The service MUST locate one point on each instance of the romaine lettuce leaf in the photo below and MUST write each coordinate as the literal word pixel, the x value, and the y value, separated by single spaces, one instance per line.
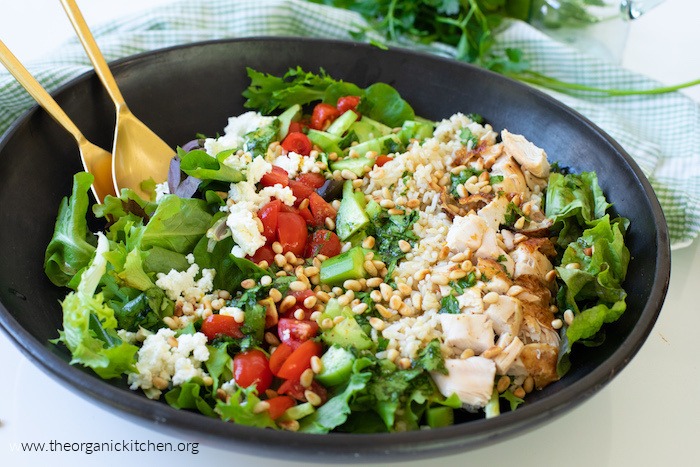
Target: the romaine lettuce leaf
pixel 177 225
pixel 197 163
pixel 187 396
pixel 241 408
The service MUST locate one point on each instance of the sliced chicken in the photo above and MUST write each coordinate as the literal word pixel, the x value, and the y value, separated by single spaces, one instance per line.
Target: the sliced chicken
pixel 506 314
pixel 467 331
pixel 540 362
pixel 534 331
pixel 471 379
pixel 529 156
pixel 494 213
pixel 506 358
pixel 514 180
pixel 490 249
pixel 470 301
pixel 466 232
pixel 529 260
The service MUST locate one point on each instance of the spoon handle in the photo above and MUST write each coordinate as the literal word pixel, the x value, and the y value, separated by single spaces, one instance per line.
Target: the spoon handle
pixel 93 52
pixel 37 91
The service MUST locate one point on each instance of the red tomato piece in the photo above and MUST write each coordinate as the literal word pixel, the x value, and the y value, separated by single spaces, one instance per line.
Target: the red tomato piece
pixel 346 103
pixel 381 160
pixel 323 115
pixel 278 357
pixel 279 405
pixel 269 214
pixel 301 191
pixel 291 232
pixel 322 242
pixel 297 142
pixel 294 389
pixel 300 360
pixel 252 367
pixel 296 127
pixel 312 180
pixel 221 325
pixel 264 253
pixel 278 176
pixel 296 331
pixel 320 209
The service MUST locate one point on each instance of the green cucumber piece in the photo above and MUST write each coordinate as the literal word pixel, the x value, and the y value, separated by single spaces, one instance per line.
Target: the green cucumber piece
pixel 336 366
pixel 437 417
pixel 347 333
pixel 297 412
pixel 383 145
pixel 355 165
pixel 326 141
pixel 379 128
pixel 290 115
pixel 364 131
pixel 341 124
pixel 351 215
pixel 348 265
pixel 412 129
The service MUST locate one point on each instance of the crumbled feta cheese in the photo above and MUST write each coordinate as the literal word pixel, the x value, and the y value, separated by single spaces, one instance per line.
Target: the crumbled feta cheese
pixel 158 360
pixel 162 189
pixel 257 168
pixel 244 229
pixel 230 311
pixel 183 283
pixel 283 194
pixel 235 130
pixel 290 162
pixel 239 161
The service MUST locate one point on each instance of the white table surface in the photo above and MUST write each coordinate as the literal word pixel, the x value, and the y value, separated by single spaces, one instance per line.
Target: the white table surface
pixel 648 416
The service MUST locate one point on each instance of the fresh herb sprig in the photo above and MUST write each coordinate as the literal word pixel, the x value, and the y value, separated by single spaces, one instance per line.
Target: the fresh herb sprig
pixel 470 25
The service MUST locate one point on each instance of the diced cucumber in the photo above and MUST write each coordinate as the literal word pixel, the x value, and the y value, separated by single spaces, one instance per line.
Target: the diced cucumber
pixel 378 126
pixel 373 209
pixel 347 333
pixel 342 123
pixel 326 141
pixel 348 265
pixel 437 417
pixel 355 165
pixel 332 309
pixel 364 131
pixel 290 115
pixel 336 366
pixel 297 412
pixel 383 145
pixel 412 129
pixel 351 215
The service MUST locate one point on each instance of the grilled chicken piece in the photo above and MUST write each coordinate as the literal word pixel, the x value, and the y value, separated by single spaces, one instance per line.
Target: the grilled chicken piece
pixel 506 314
pixel 467 331
pixel 529 260
pixel 514 180
pixel 466 232
pixel 529 156
pixel 511 351
pixel 470 301
pixel 490 249
pixel 533 330
pixel 471 379
pixel 540 362
pixel 494 213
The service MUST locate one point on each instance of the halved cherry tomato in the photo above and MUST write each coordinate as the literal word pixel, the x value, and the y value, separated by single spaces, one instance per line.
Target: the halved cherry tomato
pixel 300 297
pixel 269 214
pixel 346 103
pixel 323 115
pixel 320 209
pixel 277 176
pixel 300 360
pixel 278 357
pixel 291 232
pixel 279 405
pixel 252 367
pixel 381 160
pixel 294 389
pixel 296 127
pixel 296 331
pixel 322 242
pixel 221 325
pixel 311 179
pixel 264 253
pixel 300 190
pixel 297 142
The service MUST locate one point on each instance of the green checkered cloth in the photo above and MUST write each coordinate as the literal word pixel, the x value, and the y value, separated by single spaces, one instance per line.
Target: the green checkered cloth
pixel 661 132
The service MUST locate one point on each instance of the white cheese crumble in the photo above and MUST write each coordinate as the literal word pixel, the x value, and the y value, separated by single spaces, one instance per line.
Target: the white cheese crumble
pixel 244 229
pixel 162 189
pixel 235 130
pixel 183 283
pixel 158 360
pixel 291 162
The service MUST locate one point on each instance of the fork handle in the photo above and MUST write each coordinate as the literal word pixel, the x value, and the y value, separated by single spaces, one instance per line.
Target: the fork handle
pixel 37 91
pixel 90 45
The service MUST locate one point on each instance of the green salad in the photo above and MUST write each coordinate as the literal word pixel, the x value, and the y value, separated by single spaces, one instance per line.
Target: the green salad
pixel 333 262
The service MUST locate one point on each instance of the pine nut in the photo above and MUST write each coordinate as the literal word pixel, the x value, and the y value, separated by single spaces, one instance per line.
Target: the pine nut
pixel 404 246
pixel 503 383
pixel 368 242
pixel 159 383
pixel 313 398
pixel 568 317
pixel 310 302
pixel 370 268
pixel 468 353
pixel 261 407
pixel 275 295
pixel 248 284
pixel 288 302
pixel 490 298
pixel 316 364
pixel 492 352
pixel 307 377
pixel 297 286
pixel 377 323
pixel 528 384
pixel 515 290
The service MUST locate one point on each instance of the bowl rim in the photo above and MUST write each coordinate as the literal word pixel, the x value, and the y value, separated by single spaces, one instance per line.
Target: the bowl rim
pixel 353 447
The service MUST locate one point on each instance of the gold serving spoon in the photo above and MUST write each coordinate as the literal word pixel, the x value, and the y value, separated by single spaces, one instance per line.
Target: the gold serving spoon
pixel 95 160
pixel 138 153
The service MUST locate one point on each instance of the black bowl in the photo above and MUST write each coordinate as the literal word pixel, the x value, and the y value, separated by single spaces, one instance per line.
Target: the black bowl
pixel 194 88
